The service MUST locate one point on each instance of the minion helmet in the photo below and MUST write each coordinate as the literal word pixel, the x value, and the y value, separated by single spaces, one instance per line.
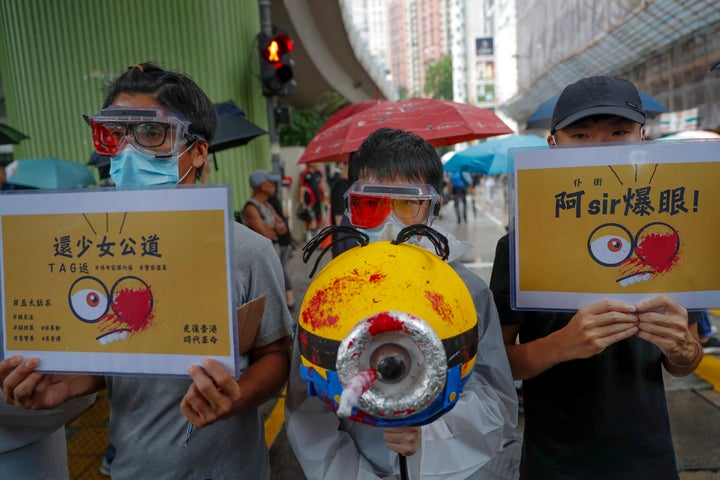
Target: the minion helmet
pixel 388 334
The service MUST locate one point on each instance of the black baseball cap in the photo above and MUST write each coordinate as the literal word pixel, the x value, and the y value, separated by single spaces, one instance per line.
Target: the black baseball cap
pixel 597 96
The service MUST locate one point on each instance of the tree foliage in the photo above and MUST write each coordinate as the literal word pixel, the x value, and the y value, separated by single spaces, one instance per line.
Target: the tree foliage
pixel 403 93
pixel 438 79
pixel 305 123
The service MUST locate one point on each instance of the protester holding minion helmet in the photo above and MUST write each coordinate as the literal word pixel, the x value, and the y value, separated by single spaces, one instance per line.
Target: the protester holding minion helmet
pixel 396 177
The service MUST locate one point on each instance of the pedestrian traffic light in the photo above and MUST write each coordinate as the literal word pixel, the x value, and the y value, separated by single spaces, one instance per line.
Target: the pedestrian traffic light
pixel 276 66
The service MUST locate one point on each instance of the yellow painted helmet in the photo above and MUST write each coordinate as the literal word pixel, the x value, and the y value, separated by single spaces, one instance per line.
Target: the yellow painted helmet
pixel 388 335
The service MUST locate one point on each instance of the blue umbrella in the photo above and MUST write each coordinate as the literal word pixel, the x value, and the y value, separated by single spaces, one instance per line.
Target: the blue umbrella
pixel 543 115
pixel 491 156
pixel 51 173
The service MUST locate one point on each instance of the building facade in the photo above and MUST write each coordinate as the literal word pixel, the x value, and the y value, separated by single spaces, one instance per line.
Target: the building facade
pixel 664 46
pixel 57 61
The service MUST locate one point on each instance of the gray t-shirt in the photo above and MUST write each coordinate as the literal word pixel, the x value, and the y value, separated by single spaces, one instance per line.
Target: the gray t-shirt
pixel 146 424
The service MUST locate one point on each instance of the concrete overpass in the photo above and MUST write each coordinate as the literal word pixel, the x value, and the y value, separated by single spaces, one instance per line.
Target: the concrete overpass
pixel 328 56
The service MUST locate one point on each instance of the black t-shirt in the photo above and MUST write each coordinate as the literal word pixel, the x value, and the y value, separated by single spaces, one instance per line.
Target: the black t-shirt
pixel 603 417
pixel 338 187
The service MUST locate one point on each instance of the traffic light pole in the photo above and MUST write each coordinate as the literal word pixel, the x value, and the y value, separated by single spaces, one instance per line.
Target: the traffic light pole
pixel 271 101
pixel 274 137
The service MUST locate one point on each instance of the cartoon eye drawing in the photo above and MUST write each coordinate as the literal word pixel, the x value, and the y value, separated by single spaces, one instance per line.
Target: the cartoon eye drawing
pixel 88 299
pixel 610 244
pixel 655 248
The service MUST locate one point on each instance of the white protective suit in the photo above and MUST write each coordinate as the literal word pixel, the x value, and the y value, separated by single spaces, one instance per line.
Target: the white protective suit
pixel 32 442
pixel 454 447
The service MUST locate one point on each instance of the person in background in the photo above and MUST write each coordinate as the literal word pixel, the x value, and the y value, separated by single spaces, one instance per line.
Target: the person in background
pixel 593 393
pixel 460 182
pixel 33 444
pixel 262 216
pixel 338 186
pixel 312 194
pixel 165 142
pixel 3 175
pixel 709 343
pixel 458 444
pixel 489 187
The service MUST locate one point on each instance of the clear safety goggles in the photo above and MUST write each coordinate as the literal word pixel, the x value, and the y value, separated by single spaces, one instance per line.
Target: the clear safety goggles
pixel 150 130
pixel 369 204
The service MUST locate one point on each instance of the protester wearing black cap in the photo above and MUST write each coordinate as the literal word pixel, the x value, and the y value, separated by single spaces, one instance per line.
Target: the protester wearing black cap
pixel 593 392
pixel 598 110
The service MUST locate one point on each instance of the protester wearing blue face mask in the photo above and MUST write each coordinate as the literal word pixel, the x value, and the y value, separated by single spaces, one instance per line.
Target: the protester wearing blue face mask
pixel 150 137
pixel 396 178
pixel 155 125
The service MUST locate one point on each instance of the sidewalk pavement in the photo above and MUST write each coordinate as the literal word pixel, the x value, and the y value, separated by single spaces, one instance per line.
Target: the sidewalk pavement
pixel 693 404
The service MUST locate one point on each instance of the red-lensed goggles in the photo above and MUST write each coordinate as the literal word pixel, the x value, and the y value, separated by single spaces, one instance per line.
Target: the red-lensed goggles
pixel 150 130
pixel 369 204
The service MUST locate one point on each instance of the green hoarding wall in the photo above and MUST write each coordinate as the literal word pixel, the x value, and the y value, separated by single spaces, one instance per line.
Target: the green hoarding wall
pixel 57 57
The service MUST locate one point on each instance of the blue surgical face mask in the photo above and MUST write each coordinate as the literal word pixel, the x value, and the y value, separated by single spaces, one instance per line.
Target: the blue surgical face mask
pixel 385 232
pixel 132 168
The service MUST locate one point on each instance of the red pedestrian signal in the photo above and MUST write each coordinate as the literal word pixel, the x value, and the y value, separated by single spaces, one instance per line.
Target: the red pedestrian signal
pixel 272 51
pixel 276 65
pixel 276 47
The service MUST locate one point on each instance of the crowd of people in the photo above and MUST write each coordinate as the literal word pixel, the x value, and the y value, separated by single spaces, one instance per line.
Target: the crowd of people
pixel 594 400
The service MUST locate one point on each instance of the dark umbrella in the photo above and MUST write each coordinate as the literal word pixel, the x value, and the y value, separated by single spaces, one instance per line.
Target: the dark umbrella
pixel 232 129
pixel 542 117
pixel 102 163
pixel 10 135
pixel 99 160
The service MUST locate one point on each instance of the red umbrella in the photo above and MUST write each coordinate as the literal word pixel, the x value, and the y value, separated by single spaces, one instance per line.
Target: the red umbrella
pixel 440 122
pixel 348 111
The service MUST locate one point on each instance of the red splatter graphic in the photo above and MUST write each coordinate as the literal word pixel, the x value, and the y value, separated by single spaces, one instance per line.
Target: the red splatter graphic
pixel 659 251
pixel 438 303
pixel 407 412
pixel 134 308
pixel 382 322
pixel 318 312
pixel 314 314
pixel 362 381
pixel 377 278
pixel 363 417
